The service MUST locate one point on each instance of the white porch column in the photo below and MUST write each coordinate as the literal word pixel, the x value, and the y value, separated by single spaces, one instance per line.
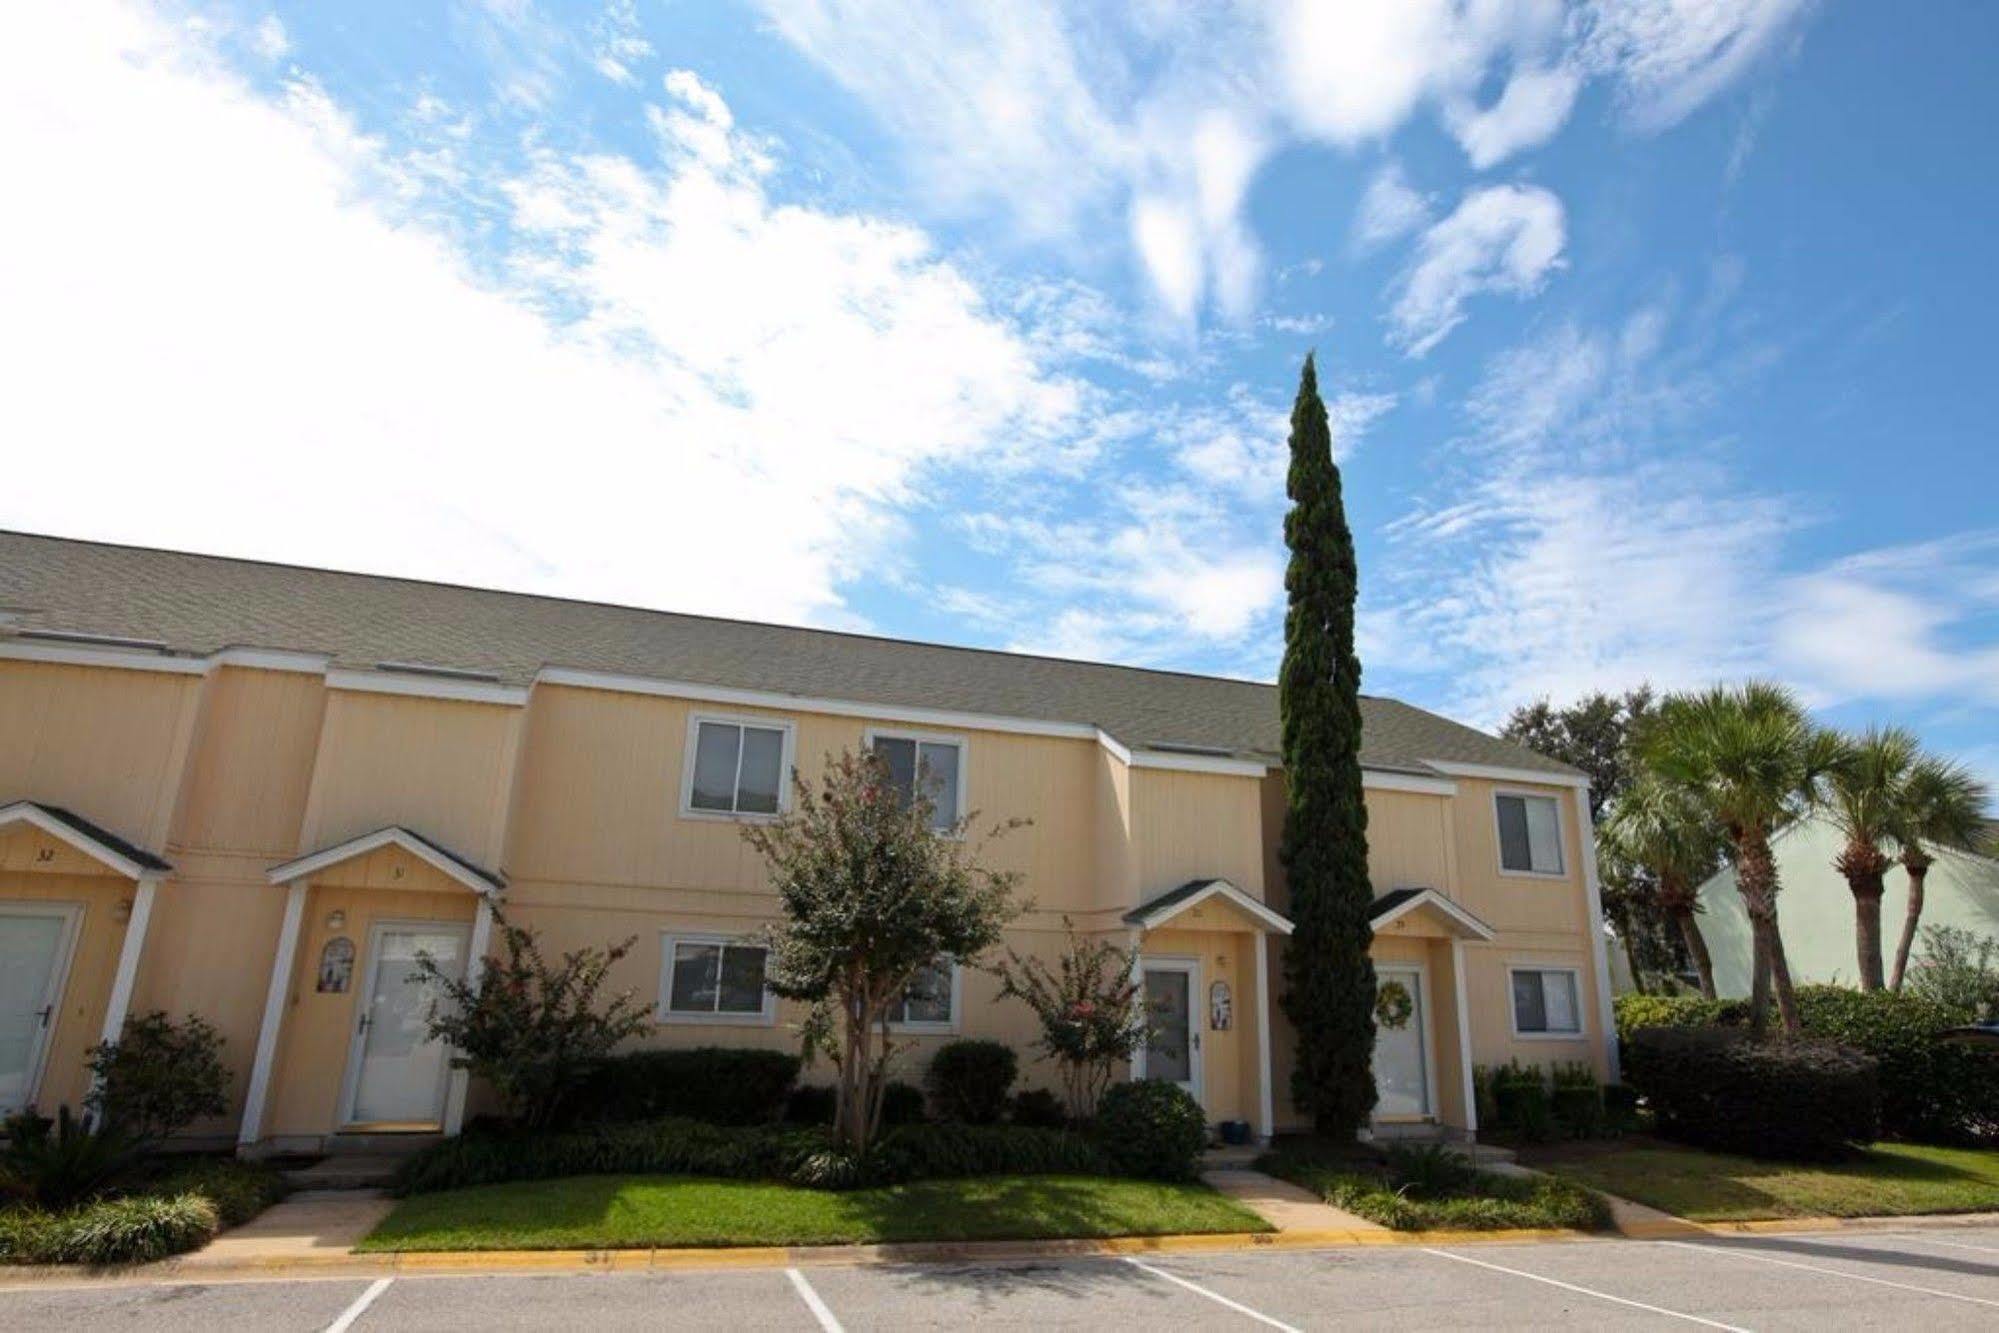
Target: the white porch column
pixel 1606 1014
pixel 1464 1034
pixel 120 1003
pixel 1266 1101
pixel 475 973
pixel 274 1015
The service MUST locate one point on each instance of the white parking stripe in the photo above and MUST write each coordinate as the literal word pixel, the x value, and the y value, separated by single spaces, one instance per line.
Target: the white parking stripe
pixel 812 1302
pixel 1740 1252
pixel 1214 1296
pixel 1587 1291
pixel 1927 1239
pixel 361 1302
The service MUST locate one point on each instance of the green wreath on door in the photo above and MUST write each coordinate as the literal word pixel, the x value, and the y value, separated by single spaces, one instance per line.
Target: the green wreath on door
pixel 1394 1006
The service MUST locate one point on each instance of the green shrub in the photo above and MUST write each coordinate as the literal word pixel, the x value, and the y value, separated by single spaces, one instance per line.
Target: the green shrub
pixel 811 1105
pixel 1931 1091
pixel 1620 1108
pixel 1152 1129
pixel 110 1231
pixel 239 1190
pixel 160 1076
pixel 1635 1012
pixel 715 1084
pixel 902 1104
pixel 1520 1102
pixel 1958 969
pixel 798 1155
pixel 1721 1089
pixel 1424 1189
pixel 66 1161
pixel 1038 1108
pixel 1429 1170
pixel 969 1080
pixel 1576 1100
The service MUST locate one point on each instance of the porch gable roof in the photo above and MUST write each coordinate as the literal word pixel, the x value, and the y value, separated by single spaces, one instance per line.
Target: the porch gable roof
pixel 440 858
pixel 1398 903
pixel 100 844
pixel 1151 914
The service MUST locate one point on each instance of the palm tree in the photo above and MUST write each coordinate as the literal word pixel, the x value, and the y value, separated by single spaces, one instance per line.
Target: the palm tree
pixel 1664 829
pixel 1753 760
pixel 1943 805
pixel 1863 797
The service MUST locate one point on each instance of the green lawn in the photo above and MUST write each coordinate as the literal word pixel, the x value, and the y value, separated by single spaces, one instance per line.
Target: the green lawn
pixel 1891 1179
pixel 633 1212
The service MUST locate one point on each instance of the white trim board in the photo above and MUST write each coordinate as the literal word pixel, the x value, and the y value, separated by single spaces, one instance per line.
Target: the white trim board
pixel 1494 773
pixel 426 687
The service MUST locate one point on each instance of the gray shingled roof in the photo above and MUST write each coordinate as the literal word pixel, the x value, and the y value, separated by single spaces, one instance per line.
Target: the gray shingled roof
pixel 200 604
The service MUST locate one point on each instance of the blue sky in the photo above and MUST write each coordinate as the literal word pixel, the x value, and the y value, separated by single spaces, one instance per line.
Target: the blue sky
pixel 1655 334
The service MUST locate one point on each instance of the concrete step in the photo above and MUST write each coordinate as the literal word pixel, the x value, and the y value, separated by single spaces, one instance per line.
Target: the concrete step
pixel 346 1172
pixel 378 1145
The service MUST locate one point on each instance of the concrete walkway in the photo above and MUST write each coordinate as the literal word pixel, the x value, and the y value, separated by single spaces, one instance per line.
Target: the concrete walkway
pixel 1285 1206
pixel 309 1226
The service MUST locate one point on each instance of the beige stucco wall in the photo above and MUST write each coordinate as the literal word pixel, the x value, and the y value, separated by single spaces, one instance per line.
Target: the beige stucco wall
pixel 576 797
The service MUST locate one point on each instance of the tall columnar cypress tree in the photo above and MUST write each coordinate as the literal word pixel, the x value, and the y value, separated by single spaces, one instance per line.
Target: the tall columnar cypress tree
pixel 1328 976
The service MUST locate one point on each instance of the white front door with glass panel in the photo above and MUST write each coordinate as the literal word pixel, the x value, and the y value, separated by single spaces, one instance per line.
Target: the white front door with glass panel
pixel 1401 1060
pixel 397 1075
pixel 35 944
pixel 1172 1050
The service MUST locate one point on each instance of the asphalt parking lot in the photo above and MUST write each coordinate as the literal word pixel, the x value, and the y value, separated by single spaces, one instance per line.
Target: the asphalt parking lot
pixel 1929 1279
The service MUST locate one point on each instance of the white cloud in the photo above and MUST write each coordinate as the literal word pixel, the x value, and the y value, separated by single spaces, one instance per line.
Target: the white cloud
pixel 269 40
pixel 1892 623
pixel 1668 57
pixel 1076 122
pixel 1390 209
pixel 1534 105
pixel 682 393
pixel 1502 239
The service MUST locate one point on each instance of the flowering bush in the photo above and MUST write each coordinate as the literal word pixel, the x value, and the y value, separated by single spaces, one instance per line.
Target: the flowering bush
pixel 1088 1006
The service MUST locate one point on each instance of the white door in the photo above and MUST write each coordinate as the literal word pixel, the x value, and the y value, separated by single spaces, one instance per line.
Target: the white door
pixel 1401 1057
pixel 396 1074
pixel 1172 1050
pixel 34 958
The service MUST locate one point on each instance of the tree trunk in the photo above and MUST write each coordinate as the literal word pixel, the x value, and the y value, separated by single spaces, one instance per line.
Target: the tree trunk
pixel 1690 931
pixel 1863 866
pixel 1678 901
pixel 1756 881
pixel 1631 960
pixel 1917 863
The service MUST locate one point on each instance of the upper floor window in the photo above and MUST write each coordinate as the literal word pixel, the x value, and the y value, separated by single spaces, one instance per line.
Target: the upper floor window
pixel 1530 834
pixel 714 980
pixel 737 767
pixel 928 1000
pixel 1546 1002
pixel 935 766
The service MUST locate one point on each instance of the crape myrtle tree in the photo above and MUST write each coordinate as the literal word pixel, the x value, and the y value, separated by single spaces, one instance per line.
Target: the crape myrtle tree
pixel 1328 976
pixel 873 892
pixel 1092 1015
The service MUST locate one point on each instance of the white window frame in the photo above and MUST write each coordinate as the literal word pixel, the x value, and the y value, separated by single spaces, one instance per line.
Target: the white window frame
pixel 1575 973
pixel 957 1008
pixel 786 756
pixel 1561 835
pixel 872 734
pixel 663 1012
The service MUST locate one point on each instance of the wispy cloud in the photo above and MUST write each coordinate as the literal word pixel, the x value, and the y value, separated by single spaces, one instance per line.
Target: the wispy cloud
pixel 670 387
pixel 1502 239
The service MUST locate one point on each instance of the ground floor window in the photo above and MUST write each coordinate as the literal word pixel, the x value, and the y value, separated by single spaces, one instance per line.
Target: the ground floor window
pixel 707 979
pixel 927 1002
pixel 1545 1002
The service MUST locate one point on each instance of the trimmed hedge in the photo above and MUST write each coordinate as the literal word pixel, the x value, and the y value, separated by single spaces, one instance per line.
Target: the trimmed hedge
pixel 1152 1129
pixel 1721 1089
pixel 1931 1091
pixel 796 1155
pixel 969 1080
pixel 1039 1108
pixel 179 1211
pixel 718 1085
